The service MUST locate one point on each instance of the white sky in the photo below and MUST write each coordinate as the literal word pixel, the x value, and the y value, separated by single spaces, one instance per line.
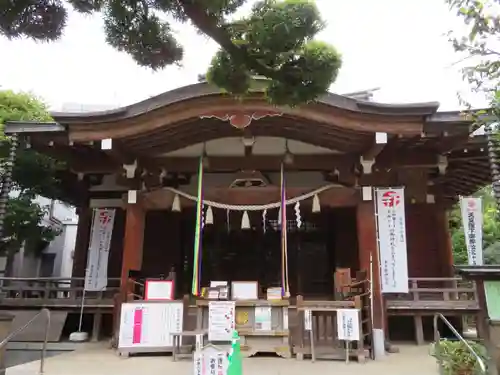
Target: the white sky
pixel 397 45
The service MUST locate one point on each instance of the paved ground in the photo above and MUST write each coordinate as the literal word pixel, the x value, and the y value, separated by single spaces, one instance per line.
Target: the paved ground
pixel 412 360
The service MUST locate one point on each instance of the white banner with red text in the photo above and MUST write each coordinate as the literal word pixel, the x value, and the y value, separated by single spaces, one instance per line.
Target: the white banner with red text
pixel 391 224
pixel 96 275
pixel 472 219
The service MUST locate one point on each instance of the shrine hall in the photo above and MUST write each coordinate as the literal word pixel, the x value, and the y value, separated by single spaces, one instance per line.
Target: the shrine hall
pixel 205 187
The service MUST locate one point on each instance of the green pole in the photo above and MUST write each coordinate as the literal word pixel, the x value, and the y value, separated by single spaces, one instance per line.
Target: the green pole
pixel 235 366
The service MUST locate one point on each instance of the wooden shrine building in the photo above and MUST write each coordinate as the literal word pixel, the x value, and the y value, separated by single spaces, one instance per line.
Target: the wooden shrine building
pixel 143 160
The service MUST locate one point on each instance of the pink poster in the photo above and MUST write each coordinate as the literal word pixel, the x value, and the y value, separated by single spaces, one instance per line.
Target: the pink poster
pixel 137 326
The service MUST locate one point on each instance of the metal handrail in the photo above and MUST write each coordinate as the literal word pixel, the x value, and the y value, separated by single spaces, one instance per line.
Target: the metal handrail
pixel 45 312
pixel 437 337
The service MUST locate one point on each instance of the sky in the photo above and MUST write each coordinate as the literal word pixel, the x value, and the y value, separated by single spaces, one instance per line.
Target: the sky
pixel 397 46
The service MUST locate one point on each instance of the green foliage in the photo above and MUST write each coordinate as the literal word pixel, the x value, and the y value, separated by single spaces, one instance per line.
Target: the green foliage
pixel 33 174
pixel 455 358
pixel 478 47
pixel 21 107
pixel 24 222
pixel 275 41
pixel 279 36
pixel 479 42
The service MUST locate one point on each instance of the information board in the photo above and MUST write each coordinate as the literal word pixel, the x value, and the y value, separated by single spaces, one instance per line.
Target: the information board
pixel 492 292
pixel 245 290
pixel 210 360
pixel 159 290
pixel 263 318
pixel 149 324
pixel 308 320
pixel 221 323
pixel 348 324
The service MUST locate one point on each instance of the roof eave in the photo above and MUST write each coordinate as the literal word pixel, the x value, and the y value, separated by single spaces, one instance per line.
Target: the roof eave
pixel 203 89
pixel 12 127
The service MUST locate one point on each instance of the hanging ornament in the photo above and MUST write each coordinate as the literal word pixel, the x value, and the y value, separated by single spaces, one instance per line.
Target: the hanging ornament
pixel 264 218
pixel 298 218
pixel 202 216
pixel 316 207
pixel 279 217
pixel 209 219
pixel 245 221
pixel 176 204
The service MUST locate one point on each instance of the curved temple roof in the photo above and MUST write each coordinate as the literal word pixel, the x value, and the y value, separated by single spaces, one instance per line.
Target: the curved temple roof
pixel 418 136
pixel 204 89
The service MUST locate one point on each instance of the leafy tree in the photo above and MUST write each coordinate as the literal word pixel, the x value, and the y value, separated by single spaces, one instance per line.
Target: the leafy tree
pixel 276 40
pixel 33 174
pixel 480 52
pixel 479 44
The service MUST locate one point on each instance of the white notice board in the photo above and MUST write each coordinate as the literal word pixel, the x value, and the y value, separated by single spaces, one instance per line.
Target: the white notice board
pixel 348 324
pixel 245 290
pixel 211 360
pixel 149 325
pixel 308 320
pixel 263 318
pixel 221 322
pixel 159 290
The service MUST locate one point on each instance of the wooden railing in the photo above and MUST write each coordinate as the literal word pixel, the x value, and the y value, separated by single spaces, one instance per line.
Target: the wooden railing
pixel 435 294
pixel 428 296
pixel 54 292
pixel 322 340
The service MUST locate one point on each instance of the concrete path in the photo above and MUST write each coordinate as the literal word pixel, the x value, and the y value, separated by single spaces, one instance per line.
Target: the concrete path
pixel 98 360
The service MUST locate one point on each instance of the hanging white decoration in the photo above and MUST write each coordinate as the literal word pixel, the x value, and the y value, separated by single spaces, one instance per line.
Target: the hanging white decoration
pixel 202 216
pixel 253 207
pixel 227 221
pixel 316 207
pixel 176 204
pixel 279 216
pixel 298 218
pixel 245 221
pixel 264 218
pixel 209 219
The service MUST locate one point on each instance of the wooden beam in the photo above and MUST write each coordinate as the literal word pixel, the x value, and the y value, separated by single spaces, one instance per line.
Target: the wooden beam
pixel 407 158
pixel 260 163
pixel 380 140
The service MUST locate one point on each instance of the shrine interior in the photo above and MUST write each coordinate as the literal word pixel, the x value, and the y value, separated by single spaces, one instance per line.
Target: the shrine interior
pixel 324 241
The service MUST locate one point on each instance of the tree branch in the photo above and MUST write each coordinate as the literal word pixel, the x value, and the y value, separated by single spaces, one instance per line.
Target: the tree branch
pixel 209 25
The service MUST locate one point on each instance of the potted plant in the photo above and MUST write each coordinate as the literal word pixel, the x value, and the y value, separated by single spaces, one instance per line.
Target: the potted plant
pixel 455 358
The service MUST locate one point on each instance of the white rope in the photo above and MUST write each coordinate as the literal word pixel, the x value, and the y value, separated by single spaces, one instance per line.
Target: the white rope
pixel 253 207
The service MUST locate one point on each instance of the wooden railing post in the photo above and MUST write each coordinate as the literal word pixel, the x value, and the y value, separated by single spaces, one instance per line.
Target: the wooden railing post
pixel 361 345
pixel 300 321
pixel 414 289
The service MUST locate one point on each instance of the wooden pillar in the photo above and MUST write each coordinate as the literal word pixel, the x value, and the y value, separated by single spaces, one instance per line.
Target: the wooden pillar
pixel 81 244
pixel 132 244
pixel 178 262
pixel 444 242
pixel 367 244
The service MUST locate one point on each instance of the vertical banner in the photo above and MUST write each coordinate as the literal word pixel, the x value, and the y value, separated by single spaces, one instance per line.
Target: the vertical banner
pixel 96 275
pixel 284 237
pixel 195 288
pixel 391 224
pixel 472 219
